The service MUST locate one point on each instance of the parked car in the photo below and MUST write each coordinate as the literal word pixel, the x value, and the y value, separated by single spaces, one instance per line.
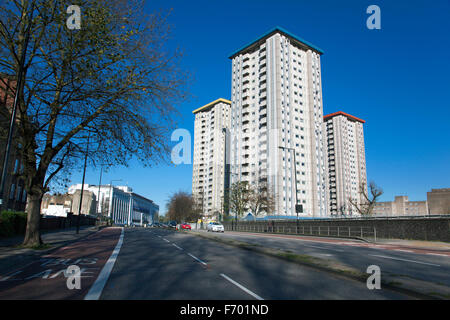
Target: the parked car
pixel 215 227
pixel 185 226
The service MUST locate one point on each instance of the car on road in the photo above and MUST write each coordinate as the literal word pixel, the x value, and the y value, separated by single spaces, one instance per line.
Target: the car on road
pixel 185 226
pixel 215 227
pixel 172 225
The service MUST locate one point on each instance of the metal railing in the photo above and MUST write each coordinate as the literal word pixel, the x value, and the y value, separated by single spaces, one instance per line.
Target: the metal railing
pixel 366 233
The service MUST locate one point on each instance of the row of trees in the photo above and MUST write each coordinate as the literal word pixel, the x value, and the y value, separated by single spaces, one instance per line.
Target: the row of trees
pixel 257 198
pixel 108 90
pixel 243 197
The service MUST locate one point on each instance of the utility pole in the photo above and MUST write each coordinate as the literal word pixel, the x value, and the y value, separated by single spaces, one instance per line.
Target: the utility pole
pixel 19 84
pixel 295 177
pixel 82 184
pixel 98 197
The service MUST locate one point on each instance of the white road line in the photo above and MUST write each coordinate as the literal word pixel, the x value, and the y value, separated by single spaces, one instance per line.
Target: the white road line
pixel 242 287
pixel 177 246
pixel 431 264
pixel 197 259
pixel 166 240
pixel 438 254
pixel 97 288
pixel 403 250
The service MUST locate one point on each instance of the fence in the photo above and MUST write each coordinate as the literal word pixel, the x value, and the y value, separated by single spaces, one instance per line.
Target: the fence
pixel 51 223
pixel 367 233
pixel 430 228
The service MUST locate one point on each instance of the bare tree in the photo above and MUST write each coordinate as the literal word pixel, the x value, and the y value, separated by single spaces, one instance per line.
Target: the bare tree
pixel 181 207
pixel 261 198
pixel 113 80
pixel 239 197
pixel 367 202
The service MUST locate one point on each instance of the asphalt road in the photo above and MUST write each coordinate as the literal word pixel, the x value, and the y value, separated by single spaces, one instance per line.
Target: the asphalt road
pixel 162 264
pixel 422 264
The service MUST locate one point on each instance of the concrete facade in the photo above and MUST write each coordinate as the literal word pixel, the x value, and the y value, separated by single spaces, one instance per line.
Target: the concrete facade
pixel 276 110
pixel 439 201
pixel 346 162
pixel 208 177
pixel 401 206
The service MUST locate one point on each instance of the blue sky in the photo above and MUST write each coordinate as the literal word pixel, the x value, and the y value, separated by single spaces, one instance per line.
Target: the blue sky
pixel 396 79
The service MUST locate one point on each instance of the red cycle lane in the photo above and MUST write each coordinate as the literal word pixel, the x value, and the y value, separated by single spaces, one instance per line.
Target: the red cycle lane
pixel 47 277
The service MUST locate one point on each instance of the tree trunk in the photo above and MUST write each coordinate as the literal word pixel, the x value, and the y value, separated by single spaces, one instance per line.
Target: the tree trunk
pixel 33 234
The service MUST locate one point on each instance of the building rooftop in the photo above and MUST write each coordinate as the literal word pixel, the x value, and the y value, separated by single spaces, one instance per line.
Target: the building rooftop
pixel 206 106
pixel 341 113
pixel 298 40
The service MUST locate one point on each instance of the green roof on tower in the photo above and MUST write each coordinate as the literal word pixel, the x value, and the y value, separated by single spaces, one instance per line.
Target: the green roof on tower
pixel 283 31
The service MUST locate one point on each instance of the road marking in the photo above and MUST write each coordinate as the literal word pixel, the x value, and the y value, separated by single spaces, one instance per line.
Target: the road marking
pixel 177 246
pixel 97 288
pixel 197 259
pixel 403 250
pixel 438 254
pixel 242 287
pixel 431 264
pixel 166 240
pixel 10 276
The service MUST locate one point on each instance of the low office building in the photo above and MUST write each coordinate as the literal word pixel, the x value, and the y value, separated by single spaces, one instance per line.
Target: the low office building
pixel 401 206
pixel 62 204
pixel 121 204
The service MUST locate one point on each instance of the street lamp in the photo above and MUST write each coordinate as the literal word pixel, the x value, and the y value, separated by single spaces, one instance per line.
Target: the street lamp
pixel 19 85
pixel 235 214
pixel 295 177
pixel 82 183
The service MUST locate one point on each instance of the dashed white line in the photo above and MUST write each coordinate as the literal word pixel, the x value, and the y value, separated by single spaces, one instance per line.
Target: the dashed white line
pixel 430 264
pixel 242 287
pixel 177 246
pixel 166 240
pixel 197 259
pixel 403 250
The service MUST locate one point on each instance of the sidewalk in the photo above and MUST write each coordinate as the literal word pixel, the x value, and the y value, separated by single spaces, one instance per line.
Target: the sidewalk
pixel 417 244
pixel 11 254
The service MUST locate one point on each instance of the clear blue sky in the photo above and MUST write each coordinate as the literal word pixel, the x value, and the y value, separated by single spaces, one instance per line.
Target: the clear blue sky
pixel 396 78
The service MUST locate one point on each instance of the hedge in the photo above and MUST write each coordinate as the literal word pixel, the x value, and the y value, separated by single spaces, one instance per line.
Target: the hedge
pixel 12 223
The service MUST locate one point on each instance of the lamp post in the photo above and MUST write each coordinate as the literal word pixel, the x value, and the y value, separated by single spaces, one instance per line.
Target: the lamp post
pixel 295 177
pixel 235 213
pixel 19 85
pixel 82 184
pixel 99 205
